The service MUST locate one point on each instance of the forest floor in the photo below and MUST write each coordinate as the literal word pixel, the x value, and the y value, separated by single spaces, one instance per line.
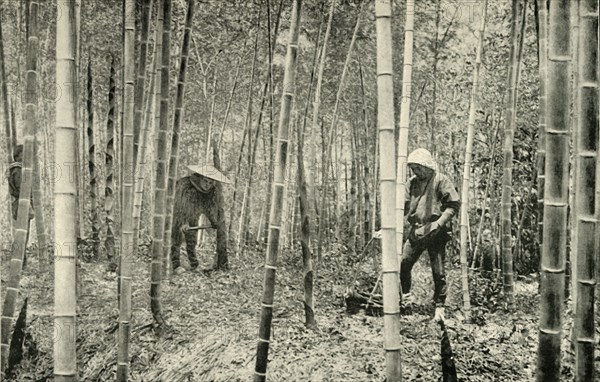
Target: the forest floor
pixel 214 324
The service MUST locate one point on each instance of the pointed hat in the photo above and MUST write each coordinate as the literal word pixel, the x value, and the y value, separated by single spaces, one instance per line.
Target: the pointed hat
pixel 209 172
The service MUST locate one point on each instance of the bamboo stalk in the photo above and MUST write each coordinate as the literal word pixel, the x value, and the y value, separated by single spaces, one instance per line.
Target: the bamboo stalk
pixel 333 129
pixel 588 205
pixel 109 241
pixel 464 210
pixel 552 263
pixel 401 169
pixel 509 131
pixel 162 63
pixel 92 162
pixel 65 234
pixel 127 186
pixel 385 122
pixel 177 117
pixel 140 83
pixel 278 196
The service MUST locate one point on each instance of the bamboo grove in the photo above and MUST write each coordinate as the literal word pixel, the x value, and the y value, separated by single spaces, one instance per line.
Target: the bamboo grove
pixel 311 109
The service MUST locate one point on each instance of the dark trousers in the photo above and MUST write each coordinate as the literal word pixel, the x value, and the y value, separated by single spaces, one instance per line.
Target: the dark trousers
pixel 436 247
pixel 191 240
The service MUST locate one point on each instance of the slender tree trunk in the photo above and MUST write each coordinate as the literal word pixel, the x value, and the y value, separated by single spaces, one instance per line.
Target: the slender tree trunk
pixel 464 210
pixel 333 129
pixel 552 281
pixel 65 298
pixel 587 208
pixel 385 121
pixel 127 188
pixel 278 196
pixel 509 131
pixel 80 199
pixel 178 116
pixel 160 178
pixel 92 162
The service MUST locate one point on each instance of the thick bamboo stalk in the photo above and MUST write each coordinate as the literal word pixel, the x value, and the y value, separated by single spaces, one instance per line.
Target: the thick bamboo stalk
pixel 160 177
pixel 127 187
pixel 588 206
pixel 509 131
pixel 387 159
pixel 65 204
pixel 92 162
pixel 332 131
pixel 552 281
pixel 542 7
pixel 278 198
pixel 401 169
pixel 177 118
pixel 464 210
pixel 109 156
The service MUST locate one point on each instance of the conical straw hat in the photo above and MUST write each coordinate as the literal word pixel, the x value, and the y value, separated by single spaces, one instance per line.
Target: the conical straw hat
pixel 209 172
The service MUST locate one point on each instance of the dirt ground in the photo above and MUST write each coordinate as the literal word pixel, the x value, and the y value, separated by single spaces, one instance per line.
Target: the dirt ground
pixel 214 326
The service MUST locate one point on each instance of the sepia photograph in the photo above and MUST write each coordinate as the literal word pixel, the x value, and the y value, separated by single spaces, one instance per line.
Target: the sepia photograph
pixel 299 190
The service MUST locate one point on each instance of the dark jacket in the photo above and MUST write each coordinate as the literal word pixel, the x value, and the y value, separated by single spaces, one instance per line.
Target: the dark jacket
pixel 427 200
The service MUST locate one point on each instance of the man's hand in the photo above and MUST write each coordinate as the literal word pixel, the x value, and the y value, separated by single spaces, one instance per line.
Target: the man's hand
pixel 426 229
pixel 377 235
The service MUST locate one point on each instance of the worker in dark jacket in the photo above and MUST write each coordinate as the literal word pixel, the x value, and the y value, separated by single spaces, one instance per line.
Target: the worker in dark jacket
pixel 431 203
pixel 197 195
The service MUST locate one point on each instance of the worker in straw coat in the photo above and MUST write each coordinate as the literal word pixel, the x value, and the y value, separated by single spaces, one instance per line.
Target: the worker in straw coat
pixel 195 195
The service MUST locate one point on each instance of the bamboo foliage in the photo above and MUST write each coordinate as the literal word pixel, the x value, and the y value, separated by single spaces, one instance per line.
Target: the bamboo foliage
pixel 387 160
pixel 178 116
pixel 404 124
pixel 127 190
pixel 553 259
pixel 587 206
pixel 109 155
pixel 509 131
pixel 161 162
pixel 65 203
pixel 278 195
pixel 92 162
pixel 464 211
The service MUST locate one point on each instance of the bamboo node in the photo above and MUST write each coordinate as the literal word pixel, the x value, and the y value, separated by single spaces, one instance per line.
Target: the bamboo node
pixel 263 340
